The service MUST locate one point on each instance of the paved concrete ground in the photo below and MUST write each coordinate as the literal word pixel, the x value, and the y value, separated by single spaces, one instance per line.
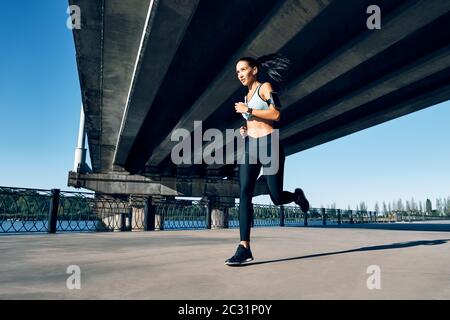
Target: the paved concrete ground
pixel 290 263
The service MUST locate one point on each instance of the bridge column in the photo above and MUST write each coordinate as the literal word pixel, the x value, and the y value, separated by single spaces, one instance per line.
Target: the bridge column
pixel 79 164
pixel 149 215
pixel 218 214
pixel 161 210
pixel 53 211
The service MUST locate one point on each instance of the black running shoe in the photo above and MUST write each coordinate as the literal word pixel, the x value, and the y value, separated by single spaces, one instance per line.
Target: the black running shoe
pixel 241 256
pixel 301 200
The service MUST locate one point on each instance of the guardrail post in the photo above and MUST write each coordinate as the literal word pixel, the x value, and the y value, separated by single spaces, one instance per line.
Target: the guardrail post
pixel 227 218
pixel 305 219
pixel 218 216
pixel 160 217
pixel 339 215
pixel 281 216
pixel 149 215
pixel 208 213
pixel 130 219
pixel 123 220
pixel 324 216
pixel 53 211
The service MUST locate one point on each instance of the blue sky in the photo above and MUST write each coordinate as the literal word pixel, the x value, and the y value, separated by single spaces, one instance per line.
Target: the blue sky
pixel 40 104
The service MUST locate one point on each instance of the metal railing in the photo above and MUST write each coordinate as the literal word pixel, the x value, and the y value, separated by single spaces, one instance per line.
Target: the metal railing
pixel 36 210
pixel 181 214
pixel 24 210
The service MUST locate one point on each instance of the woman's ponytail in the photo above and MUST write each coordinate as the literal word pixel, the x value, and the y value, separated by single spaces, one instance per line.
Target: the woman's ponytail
pixel 275 67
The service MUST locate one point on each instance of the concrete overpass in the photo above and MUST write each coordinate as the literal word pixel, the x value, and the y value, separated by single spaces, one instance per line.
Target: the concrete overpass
pixel 148 67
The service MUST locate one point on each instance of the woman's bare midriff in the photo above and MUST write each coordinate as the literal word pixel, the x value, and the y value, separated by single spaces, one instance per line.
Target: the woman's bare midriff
pixel 259 128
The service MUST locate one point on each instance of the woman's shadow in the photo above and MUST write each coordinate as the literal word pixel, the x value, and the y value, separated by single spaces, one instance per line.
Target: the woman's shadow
pixel 381 247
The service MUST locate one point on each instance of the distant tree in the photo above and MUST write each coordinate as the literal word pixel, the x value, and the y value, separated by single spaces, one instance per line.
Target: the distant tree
pixel 429 208
pixel 400 205
pixel 447 206
pixel 413 205
pixel 439 205
pixel 408 206
pixel 443 205
pixel 394 205
pixel 363 206
pixel 314 213
pixel 385 209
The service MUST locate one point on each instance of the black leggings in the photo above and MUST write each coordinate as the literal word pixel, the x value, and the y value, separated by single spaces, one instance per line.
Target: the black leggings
pixel 248 173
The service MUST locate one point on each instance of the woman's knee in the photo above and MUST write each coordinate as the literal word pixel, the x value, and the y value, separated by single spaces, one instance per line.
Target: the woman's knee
pixel 276 198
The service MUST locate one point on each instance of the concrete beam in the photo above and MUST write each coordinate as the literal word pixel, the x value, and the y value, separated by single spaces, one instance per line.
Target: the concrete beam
pixel 403 21
pixel 125 184
pixel 394 81
pixel 88 48
pixel 164 30
pixel 124 23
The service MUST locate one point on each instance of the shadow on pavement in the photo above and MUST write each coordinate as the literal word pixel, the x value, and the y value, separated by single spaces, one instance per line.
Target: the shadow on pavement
pixel 372 248
pixel 405 226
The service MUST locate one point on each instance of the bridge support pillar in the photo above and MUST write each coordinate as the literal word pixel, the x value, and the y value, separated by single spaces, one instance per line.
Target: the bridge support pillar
pixel 218 213
pixel 149 215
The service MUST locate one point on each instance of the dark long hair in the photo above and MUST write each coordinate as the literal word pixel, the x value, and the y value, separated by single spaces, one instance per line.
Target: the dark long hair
pixel 272 68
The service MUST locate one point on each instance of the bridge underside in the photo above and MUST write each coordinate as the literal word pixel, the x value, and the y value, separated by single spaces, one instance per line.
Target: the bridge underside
pixel 148 67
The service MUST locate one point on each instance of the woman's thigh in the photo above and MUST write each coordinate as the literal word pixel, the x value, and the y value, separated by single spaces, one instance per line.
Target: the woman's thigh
pixel 248 173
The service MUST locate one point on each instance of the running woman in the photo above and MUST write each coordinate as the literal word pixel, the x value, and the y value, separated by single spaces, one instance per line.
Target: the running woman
pixel 261 109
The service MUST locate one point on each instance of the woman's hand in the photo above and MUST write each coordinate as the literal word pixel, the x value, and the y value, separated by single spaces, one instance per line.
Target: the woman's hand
pixel 240 107
pixel 243 131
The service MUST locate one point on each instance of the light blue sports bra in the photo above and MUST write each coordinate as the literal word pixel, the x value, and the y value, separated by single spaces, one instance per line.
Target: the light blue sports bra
pixel 256 103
